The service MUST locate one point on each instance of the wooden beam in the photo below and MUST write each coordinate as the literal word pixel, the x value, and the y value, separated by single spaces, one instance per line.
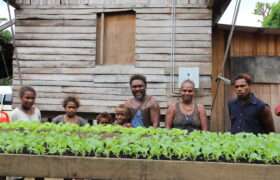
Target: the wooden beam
pixel 7 25
pixel 136 169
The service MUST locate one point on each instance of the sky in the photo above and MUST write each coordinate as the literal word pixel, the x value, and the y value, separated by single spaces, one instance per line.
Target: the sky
pixel 4 10
pixel 245 16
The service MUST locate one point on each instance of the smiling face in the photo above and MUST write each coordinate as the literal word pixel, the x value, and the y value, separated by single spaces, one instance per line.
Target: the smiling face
pixel 138 89
pixel 27 100
pixel 187 92
pixel 121 115
pixel 71 109
pixel 242 88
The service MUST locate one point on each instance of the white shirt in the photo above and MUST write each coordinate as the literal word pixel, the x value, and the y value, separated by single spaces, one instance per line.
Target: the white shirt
pixel 19 115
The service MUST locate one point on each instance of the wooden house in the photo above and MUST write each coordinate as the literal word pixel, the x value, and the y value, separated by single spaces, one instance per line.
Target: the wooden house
pixel 90 48
pixel 255 51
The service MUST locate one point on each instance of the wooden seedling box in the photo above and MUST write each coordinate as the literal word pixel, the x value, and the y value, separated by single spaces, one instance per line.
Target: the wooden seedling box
pixel 110 168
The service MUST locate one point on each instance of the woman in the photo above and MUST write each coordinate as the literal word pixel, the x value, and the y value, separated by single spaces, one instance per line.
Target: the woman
pixel 27 111
pixel 71 105
pixel 186 114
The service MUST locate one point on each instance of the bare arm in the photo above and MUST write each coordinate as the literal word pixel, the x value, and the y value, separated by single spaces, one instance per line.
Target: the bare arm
pixel 155 114
pixel 127 104
pixel 267 119
pixel 169 117
pixel 202 117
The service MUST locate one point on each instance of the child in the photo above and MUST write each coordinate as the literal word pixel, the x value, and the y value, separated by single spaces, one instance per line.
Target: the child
pixel 123 116
pixel 104 118
pixel 71 105
pixel 27 111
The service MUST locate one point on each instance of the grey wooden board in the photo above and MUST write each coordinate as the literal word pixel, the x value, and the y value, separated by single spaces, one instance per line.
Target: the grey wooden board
pixel 262 69
pixel 57 49
pixel 107 168
pixel 113 4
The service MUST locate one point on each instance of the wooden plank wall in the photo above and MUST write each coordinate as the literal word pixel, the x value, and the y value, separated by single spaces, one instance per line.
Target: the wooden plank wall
pixel 252 44
pixel 217 122
pixel 56 43
pixel 118 38
pixel 256 44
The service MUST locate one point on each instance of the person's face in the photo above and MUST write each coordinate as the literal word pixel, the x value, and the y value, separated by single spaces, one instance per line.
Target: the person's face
pixel 242 88
pixel 104 121
pixel 120 116
pixel 71 109
pixel 187 92
pixel 138 89
pixel 28 100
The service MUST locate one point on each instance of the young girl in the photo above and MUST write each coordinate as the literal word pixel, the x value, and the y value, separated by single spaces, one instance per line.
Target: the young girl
pixel 27 111
pixel 122 116
pixel 71 105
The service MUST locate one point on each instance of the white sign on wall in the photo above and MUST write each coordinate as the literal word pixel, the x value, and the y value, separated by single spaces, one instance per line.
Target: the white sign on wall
pixel 191 73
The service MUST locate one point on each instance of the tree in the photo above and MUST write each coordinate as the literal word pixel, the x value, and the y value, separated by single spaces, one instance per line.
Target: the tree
pixel 273 19
pixel 262 9
pixel 6 36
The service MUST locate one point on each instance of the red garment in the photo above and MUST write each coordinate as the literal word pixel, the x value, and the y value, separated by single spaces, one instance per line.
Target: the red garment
pixel 4 117
pixel 277 110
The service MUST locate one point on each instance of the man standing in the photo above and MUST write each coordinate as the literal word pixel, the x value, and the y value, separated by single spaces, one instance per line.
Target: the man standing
pixel 248 113
pixel 144 109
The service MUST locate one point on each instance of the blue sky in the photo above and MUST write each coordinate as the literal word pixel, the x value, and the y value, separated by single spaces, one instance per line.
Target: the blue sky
pixel 245 17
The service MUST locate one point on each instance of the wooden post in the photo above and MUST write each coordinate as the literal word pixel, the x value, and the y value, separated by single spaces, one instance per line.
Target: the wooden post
pixel 217 122
pixel 102 39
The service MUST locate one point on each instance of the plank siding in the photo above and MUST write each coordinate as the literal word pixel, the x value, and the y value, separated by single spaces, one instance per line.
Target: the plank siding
pixel 244 44
pixel 56 43
pixel 256 44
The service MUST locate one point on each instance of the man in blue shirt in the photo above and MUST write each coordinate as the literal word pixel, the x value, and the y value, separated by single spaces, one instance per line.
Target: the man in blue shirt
pixel 247 112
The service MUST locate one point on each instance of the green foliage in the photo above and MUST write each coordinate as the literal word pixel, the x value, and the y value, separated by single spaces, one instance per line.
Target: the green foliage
pixel 6 36
pixel 149 143
pixel 262 9
pixel 5 81
pixel 273 19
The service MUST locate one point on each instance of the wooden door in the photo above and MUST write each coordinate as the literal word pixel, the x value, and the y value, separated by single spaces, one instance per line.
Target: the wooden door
pixel 118 41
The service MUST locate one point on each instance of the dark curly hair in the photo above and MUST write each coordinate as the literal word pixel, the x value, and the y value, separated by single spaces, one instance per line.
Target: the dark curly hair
pixel 104 115
pixel 138 77
pixel 73 99
pixel 24 89
pixel 245 76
